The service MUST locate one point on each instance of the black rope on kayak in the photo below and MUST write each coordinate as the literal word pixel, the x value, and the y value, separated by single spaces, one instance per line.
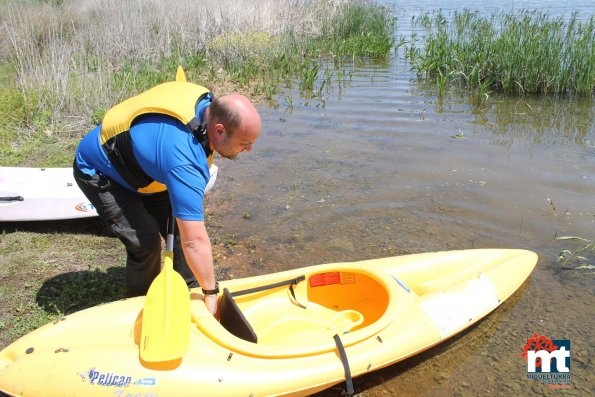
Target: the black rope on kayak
pixel 291 283
pixel 12 198
pixel 348 379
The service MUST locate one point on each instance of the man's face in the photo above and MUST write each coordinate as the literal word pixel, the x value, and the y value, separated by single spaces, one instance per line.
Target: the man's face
pixel 236 142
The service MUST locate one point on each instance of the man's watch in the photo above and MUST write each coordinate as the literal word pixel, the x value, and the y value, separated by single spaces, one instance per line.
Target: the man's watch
pixel 213 291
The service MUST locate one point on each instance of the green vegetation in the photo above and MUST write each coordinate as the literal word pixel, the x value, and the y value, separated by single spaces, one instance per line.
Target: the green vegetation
pixel 578 258
pixel 42 280
pixel 70 61
pixel 526 53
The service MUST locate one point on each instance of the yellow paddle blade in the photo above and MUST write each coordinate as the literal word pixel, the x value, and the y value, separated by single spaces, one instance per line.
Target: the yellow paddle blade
pixel 165 330
pixel 180 75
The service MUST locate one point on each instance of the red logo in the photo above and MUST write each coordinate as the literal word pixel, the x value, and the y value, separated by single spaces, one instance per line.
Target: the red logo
pixel 537 343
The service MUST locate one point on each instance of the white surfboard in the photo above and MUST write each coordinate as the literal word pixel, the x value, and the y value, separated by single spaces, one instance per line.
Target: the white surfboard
pixel 44 194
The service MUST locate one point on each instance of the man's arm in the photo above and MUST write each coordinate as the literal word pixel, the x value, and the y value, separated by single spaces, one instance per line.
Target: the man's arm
pixel 199 255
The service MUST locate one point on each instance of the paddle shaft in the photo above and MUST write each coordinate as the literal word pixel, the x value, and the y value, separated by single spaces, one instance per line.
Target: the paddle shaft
pixel 171 229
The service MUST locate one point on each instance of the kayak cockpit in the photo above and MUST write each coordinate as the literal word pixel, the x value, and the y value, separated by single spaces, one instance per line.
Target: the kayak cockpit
pixel 302 316
pixel 294 325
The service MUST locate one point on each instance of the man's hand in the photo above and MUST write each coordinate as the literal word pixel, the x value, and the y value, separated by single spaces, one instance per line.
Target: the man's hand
pixel 211 302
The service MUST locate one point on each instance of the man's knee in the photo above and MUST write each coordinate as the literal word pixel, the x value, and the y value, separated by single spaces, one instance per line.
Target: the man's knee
pixel 137 241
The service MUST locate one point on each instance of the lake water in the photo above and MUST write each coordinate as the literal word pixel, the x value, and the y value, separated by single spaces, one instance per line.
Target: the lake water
pixel 378 167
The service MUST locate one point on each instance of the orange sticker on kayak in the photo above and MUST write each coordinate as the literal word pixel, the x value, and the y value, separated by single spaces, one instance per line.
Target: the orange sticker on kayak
pixel 330 278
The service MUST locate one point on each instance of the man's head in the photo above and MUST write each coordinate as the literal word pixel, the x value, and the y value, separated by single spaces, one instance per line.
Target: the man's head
pixel 233 125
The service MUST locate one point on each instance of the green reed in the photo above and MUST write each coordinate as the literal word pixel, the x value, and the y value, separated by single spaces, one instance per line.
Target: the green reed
pixel 523 53
pixel 358 30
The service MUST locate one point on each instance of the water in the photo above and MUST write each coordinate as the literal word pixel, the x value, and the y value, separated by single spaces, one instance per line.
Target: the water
pixel 379 167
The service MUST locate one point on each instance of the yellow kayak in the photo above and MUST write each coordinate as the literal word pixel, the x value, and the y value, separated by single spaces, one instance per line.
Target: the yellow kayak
pixel 291 333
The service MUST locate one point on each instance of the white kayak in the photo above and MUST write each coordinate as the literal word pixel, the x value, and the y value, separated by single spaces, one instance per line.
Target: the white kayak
pixel 45 194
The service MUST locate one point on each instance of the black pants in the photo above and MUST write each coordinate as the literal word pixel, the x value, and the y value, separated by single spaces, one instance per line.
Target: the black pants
pixel 139 221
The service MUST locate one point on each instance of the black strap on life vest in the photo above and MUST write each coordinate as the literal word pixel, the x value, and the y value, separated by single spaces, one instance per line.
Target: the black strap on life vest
pixel 343 356
pixel 199 130
pixel 119 151
pixel 200 133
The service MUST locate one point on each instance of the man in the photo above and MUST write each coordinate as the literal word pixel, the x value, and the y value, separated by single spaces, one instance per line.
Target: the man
pixel 150 157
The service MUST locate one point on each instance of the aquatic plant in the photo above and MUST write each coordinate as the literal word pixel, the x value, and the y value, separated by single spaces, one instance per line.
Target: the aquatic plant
pixel 578 258
pixel 357 29
pixel 522 53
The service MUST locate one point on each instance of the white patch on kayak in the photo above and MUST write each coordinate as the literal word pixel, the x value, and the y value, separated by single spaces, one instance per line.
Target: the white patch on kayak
pixel 453 310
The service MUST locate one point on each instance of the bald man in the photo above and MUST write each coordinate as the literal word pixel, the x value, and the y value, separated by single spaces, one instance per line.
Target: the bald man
pixel 136 169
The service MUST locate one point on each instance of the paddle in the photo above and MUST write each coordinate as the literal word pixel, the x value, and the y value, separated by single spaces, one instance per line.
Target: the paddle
pixel 165 330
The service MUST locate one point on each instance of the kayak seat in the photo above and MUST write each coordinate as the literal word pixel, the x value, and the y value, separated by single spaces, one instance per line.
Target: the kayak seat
pixel 344 321
pixel 233 320
pixel 279 324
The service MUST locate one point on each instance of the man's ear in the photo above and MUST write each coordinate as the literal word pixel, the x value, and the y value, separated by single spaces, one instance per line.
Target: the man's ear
pixel 219 130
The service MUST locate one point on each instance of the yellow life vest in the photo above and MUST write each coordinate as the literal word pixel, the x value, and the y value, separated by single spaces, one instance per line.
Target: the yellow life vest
pixel 177 99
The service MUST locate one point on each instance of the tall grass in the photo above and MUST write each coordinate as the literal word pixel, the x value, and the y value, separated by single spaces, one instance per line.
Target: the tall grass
pixel 73 59
pixel 524 53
